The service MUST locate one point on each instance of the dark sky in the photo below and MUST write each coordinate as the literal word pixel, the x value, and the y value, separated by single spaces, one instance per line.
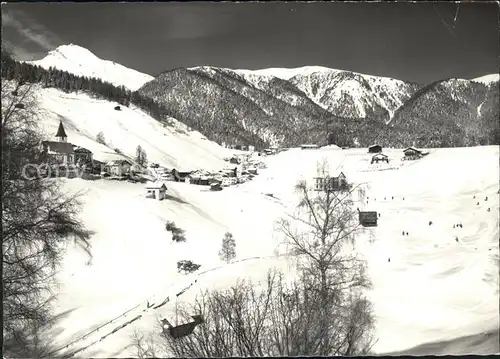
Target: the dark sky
pixel 408 41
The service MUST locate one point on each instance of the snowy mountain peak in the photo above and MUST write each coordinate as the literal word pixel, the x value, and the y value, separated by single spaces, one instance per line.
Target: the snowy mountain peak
pixel 72 52
pixel 82 62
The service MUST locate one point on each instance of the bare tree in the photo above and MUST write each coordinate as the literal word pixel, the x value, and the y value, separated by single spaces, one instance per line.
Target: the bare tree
pixel 235 323
pixel 37 220
pixel 276 318
pixel 319 234
pixel 228 249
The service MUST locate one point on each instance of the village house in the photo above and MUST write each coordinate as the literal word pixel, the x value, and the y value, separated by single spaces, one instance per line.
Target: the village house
pixel 82 156
pixel 235 160
pixel 180 176
pixel 119 167
pixel 330 183
pixel 156 190
pixel 229 181
pixel 411 153
pixel 379 157
pixel 375 149
pixel 98 166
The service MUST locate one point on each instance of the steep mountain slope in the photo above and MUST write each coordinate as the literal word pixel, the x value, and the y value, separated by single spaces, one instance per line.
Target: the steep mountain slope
pixel 84 117
pixel 452 112
pixel 227 108
pixel 354 95
pixel 80 61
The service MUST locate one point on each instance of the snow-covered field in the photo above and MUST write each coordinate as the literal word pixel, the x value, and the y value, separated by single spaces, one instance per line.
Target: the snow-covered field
pixel 433 289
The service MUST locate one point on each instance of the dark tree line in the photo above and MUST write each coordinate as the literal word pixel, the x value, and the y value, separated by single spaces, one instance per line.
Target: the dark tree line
pixel 67 82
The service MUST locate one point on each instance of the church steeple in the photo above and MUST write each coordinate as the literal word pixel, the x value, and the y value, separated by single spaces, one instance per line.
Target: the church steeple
pixel 61 134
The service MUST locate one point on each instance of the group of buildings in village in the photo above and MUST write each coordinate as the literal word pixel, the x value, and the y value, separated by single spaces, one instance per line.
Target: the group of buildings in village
pixel 409 154
pixel 240 147
pixel 245 168
pixel 63 154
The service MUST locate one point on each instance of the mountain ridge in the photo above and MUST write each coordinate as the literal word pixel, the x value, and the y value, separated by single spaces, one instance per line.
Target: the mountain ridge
pixel 287 107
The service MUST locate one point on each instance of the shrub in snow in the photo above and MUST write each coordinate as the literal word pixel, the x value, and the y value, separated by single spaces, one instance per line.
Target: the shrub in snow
pixel 170 226
pixel 228 250
pixel 100 138
pixel 177 233
pixel 187 266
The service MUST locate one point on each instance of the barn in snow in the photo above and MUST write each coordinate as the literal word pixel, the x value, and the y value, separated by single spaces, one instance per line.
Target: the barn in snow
pixel 375 149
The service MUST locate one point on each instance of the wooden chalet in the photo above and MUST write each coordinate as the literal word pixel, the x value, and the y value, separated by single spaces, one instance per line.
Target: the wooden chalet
pixel 368 219
pixel 379 157
pixel 375 149
pixel 411 153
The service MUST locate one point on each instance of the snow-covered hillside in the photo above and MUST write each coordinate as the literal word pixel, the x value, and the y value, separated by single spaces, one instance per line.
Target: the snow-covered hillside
pixel 84 117
pixel 80 61
pixel 487 79
pixel 433 289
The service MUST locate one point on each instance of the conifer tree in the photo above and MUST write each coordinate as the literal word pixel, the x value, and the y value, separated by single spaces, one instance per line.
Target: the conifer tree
pixel 228 250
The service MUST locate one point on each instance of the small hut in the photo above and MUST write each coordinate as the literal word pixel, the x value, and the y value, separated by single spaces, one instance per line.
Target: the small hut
pixel 375 149
pixel 182 330
pixel 411 153
pixel 379 157
pixel 368 219
pixel 156 190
